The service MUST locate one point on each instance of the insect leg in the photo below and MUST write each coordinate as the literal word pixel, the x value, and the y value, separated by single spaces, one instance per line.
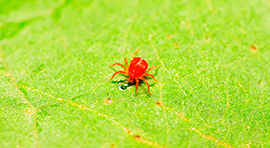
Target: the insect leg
pixel 126 63
pixel 152 68
pixel 137 83
pixel 142 78
pixel 119 65
pixel 123 72
pixel 134 53
pixel 147 74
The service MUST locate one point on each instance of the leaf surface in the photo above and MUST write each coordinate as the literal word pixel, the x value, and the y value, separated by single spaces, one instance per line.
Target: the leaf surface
pixel 213 88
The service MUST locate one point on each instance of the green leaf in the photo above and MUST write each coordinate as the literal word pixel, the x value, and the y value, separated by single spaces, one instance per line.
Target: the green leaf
pixel 213 88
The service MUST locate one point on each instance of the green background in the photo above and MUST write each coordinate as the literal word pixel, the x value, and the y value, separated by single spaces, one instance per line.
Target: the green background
pixel 54 73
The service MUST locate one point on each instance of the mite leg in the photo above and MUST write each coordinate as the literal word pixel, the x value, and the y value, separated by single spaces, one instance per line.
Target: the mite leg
pixel 137 83
pixel 134 53
pixel 126 81
pixel 152 68
pixel 126 63
pixel 147 74
pixel 123 72
pixel 142 78
pixel 119 65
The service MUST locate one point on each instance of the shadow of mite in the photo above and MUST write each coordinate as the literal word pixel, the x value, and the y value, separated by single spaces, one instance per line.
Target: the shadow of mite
pixel 134 83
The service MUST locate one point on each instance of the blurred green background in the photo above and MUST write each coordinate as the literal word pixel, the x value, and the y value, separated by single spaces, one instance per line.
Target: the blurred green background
pixel 213 88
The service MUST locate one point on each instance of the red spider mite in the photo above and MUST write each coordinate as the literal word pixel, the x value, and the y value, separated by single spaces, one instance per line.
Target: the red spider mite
pixel 136 70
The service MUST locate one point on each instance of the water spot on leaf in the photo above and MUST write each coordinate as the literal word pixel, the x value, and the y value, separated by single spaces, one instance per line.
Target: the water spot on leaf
pixel 158 103
pixel 123 86
pixel 253 48
pixel 108 101
pixel 207 38
pixel 137 137
pixel 260 82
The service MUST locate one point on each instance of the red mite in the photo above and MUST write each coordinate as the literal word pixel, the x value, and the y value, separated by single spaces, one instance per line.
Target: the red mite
pixel 136 70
